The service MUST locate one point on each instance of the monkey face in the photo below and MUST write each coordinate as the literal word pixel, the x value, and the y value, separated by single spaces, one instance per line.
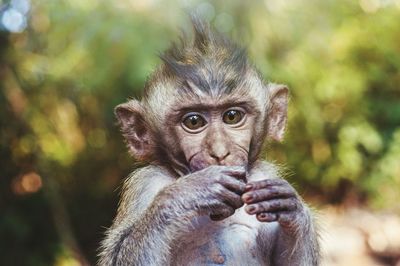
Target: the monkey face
pixel 205 105
pixel 216 135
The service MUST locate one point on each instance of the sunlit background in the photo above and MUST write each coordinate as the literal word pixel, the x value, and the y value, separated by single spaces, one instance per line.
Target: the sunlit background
pixel 64 65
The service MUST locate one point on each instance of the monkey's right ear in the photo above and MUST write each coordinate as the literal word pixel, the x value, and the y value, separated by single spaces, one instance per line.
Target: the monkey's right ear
pixel 134 128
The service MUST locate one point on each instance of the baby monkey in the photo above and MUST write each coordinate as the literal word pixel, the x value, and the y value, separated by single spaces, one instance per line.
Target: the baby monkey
pixel 204 197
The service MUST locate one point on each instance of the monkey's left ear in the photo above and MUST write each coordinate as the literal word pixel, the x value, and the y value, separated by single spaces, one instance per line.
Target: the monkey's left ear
pixel 277 111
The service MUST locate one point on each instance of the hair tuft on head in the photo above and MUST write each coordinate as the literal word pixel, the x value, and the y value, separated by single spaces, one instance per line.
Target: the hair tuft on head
pixel 206 51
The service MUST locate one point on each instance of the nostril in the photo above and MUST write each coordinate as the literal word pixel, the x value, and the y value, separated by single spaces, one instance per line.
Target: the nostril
pixel 214 157
pixel 226 155
pixel 219 157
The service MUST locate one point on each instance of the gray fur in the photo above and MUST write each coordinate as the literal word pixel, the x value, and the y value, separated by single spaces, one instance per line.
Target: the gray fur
pixel 150 230
pixel 209 60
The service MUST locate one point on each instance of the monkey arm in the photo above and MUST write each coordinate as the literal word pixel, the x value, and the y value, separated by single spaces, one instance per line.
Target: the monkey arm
pixel 156 209
pixel 297 245
pixel 272 199
pixel 143 223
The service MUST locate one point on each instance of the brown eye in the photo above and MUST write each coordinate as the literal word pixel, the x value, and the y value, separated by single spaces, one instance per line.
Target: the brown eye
pixel 194 122
pixel 232 117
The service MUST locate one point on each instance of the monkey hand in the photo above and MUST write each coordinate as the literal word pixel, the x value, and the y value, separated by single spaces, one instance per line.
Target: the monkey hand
pixel 275 200
pixel 214 191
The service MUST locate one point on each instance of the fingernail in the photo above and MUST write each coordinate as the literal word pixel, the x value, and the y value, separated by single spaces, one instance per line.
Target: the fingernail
pixel 249 187
pixel 248 197
pixel 251 209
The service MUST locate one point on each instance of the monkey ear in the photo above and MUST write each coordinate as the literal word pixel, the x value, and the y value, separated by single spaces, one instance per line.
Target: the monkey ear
pixel 277 111
pixel 134 128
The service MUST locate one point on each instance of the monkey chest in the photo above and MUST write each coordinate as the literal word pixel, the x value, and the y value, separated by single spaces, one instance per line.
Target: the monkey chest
pixel 230 242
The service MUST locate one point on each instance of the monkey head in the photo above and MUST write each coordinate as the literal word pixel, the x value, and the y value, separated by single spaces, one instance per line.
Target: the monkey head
pixel 205 105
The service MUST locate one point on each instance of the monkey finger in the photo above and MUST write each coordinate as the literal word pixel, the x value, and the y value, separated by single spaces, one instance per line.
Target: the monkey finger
pixel 233 184
pixel 222 213
pixel 268 193
pixel 254 185
pixel 236 171
pixel 274 205
pixel 233 200
pixel 267 217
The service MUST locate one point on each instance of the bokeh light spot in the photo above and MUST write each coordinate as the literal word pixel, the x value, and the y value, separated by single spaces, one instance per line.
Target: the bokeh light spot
pixel 378 242
pixel 370 6
pixel 27 184
pixel 224 22
pixel 23 6
pixel 13 20
pixel 205 10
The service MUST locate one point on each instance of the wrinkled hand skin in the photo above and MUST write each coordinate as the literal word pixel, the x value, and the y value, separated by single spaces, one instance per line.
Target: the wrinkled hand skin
pixel 215 191
pixel 274 200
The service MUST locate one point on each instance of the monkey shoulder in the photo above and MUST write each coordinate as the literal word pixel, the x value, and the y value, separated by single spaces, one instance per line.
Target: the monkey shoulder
pixel 149 178
pixel 140 188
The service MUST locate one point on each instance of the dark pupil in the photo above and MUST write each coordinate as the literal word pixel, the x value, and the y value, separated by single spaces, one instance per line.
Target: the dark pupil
pixel 194 120
pixel 232 115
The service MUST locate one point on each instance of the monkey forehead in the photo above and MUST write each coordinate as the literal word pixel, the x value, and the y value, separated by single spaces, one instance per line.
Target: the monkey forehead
pixel 158 100
pixel 168 95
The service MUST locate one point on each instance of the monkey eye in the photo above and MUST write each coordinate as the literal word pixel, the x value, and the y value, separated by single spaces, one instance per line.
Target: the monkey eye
pixel 232 117
pixel 194 122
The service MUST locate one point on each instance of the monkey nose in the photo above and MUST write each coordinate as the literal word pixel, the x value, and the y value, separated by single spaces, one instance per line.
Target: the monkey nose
pixel 219 157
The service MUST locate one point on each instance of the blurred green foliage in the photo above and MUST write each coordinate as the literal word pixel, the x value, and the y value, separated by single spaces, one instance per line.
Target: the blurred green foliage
pixel 61 155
